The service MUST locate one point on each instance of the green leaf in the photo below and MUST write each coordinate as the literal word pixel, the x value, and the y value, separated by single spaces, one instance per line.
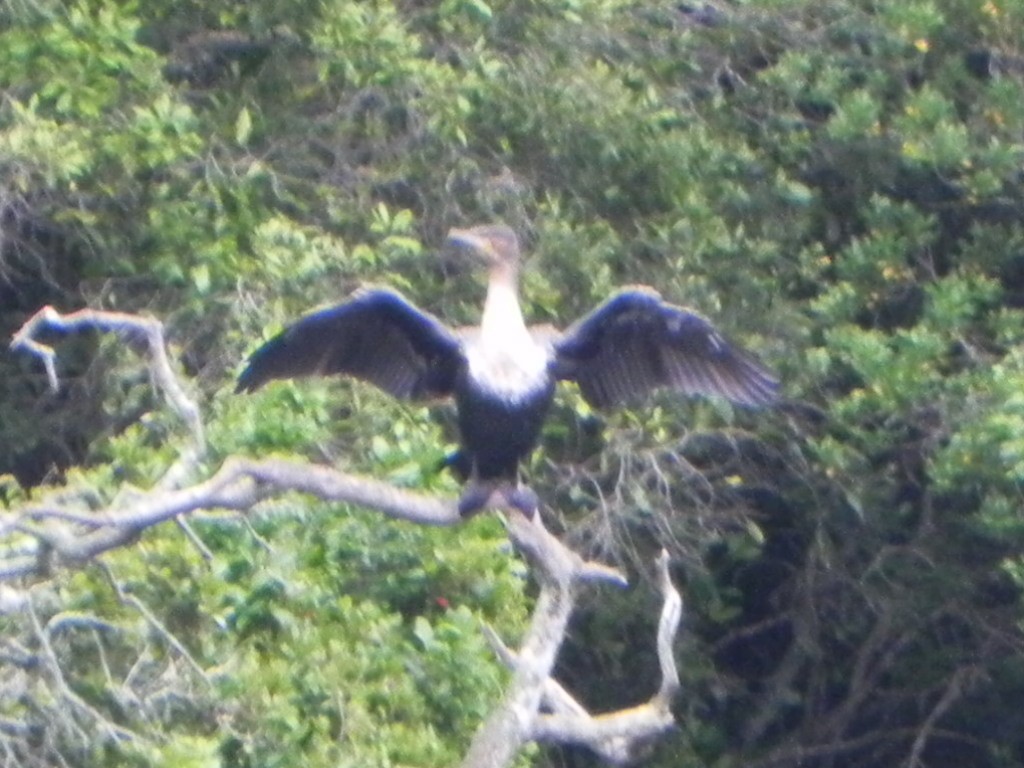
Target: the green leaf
pixel 200 275
pixel 243 127
pixel 480 8
pixel 423 632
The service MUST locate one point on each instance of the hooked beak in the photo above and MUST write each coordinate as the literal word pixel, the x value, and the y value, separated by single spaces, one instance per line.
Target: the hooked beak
pixel 467 241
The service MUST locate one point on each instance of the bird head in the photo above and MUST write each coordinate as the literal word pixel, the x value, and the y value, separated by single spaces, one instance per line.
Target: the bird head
pixel 496 245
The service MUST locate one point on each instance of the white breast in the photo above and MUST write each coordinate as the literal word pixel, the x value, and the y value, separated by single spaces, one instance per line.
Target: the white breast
pixel 512 368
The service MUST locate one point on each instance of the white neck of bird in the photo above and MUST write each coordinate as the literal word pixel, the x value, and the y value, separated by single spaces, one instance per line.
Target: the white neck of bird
pixel 503 318
pixel 504 359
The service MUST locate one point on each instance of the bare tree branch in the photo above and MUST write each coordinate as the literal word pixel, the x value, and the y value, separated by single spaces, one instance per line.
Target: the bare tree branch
pixel 959 684
pixel 242 483
pixel 616 736
pixel 239 485
pixel 668 626
pixel 559 701
pixel 132 326
pixel 69 536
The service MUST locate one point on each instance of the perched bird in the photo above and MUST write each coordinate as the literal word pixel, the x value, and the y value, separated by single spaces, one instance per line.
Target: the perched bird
pixel 502 375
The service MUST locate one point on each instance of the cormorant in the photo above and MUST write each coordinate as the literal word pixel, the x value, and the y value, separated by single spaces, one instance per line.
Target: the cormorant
pixel 502 375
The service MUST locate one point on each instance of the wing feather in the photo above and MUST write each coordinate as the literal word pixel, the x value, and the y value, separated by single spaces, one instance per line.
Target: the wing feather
pixel 376 335
pixel 635 342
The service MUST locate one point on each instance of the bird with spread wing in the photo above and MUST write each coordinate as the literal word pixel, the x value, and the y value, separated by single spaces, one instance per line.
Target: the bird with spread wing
pixel 502 375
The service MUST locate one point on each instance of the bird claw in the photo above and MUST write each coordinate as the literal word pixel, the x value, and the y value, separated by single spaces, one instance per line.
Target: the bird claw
pixel 477 497
pixel 474 499
pixel 524 499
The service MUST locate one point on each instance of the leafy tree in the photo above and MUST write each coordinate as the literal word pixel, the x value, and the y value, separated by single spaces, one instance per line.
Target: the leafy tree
pixel 837 183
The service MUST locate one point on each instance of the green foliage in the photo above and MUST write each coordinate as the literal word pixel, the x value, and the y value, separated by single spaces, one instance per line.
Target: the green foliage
pixel 836 184
pixel 336 659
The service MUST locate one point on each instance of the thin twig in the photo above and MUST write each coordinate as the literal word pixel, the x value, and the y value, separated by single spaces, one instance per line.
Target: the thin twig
pixel 956 688
pixel 193 537
pixel 64 690
pixel 129 599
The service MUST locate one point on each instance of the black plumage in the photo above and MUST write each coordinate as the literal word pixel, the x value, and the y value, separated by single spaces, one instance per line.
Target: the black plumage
pixel 376 336
pixel 634 343
pixel 502 376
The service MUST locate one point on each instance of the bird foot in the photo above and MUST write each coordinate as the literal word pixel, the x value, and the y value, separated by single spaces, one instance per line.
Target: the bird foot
pixel 480 496
pixel 524 499
pixel 475 498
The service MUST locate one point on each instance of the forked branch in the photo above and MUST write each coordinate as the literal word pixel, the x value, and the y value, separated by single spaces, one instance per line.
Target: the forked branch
pixel 535 708
pixel 132 327
pixel 618 736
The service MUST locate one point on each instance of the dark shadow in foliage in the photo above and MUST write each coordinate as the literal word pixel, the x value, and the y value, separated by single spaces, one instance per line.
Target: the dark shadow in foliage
pixel 40 436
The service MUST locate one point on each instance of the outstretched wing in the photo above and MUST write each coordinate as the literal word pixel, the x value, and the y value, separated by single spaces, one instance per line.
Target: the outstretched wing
pixel 634 343
pixel 376 336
